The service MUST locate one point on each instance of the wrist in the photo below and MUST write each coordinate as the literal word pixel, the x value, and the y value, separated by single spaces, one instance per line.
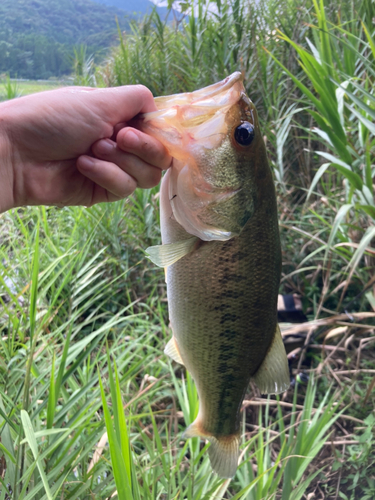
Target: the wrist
pixel 6 168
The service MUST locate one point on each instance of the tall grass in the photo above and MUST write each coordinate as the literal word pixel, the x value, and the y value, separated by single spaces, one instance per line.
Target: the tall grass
pixel 89 404
pixel 10 89
pixel 67 305
pixel 83 67
pixel 60 307
pixel 309 68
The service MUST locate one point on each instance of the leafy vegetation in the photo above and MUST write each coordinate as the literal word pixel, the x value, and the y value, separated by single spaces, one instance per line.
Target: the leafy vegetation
pixel 37 38
pixel 11 88
pixel 309 71
pixel 84 318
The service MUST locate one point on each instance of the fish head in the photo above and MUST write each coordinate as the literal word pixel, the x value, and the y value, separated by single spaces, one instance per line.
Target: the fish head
pixel 219 157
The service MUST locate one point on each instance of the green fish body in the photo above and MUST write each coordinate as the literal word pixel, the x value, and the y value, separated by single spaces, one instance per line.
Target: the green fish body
pixel 221 251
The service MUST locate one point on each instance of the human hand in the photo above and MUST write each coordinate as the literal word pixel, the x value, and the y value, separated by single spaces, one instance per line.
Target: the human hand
pixel 72 146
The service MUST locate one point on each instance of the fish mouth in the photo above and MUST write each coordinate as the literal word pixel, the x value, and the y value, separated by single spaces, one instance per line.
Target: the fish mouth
pixel 214 96
pixel 191 126
pixel 183 120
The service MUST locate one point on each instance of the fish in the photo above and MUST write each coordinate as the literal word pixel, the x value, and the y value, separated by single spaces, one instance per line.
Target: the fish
pixel 222 258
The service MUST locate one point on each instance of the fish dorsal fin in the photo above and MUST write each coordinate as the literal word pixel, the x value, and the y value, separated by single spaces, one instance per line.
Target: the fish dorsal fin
pixel 171 349
pixel 273 375
pixel 223 451
pixel 166 255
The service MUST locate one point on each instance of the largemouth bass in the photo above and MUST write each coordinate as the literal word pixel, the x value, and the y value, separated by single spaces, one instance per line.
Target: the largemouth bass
pixel 221 251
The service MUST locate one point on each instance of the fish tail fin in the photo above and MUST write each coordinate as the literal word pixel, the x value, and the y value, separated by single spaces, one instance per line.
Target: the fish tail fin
pixel 223 453
pixel 273 375
pixel 223 450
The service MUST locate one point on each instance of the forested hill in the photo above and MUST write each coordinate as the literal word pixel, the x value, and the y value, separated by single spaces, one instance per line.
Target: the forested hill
pixel 37 36
pixel 135 6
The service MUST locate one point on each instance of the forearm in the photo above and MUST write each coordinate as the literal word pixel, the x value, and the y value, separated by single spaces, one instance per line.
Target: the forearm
pixel 6 170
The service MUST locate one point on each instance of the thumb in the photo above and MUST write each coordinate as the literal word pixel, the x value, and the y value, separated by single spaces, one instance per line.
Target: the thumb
pixel 119 104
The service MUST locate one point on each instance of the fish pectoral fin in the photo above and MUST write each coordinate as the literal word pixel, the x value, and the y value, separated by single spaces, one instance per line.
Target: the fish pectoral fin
pixel 171 349
pixel 223 451
pixel 273 375
pixel 165 255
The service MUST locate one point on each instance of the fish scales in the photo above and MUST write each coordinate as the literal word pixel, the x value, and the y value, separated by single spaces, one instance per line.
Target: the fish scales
pixel 233 311
pixel 222 256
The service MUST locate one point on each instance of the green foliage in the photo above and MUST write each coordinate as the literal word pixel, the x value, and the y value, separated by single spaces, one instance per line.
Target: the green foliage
pixel 79 298
pixel 309 69
pixel 11 88
pixel 37 38
pixel 66 304
pixel 300 442
pixel 299 445
pixel 61 301
pixel 14 87
pixel 83 67
pixel 359 481
pixel 33 56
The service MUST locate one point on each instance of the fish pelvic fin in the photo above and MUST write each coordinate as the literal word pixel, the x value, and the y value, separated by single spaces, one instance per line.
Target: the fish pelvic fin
pixel 223 450
pixel 171 349
pixel 273 375
pixel 166 255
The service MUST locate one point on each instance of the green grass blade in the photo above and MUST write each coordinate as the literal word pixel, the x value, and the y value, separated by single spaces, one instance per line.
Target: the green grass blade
pixel 118 464
pixel 123 429
pixel 30 436
pixel 364 243
pixel 51 396
pixel 34 286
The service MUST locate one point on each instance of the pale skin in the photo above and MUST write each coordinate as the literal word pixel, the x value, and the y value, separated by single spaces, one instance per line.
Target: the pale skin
pixel 74 146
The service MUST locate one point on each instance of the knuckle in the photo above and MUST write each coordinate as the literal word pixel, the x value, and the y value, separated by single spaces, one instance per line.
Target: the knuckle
pixel 147 94
pixel 149 148
pixel 155 153
pixel 127 189
pixel 154 178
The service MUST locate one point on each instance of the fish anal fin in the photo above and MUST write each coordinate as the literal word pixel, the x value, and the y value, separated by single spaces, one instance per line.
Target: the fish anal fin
pixel 223 450
pixel 166 255
pixel 273 376
pixel 171 349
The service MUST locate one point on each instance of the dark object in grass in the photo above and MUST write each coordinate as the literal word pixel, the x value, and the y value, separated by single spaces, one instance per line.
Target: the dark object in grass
pixel 289 309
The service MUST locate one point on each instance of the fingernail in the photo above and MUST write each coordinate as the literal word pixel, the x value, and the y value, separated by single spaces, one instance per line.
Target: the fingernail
pixel 86 162
pixel 132 139
pixel 105 147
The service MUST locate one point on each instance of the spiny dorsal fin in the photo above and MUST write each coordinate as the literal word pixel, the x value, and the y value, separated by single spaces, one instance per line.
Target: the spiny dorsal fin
pixel 223 451
pixel 165 255
pixel 273 375
pixel 171 349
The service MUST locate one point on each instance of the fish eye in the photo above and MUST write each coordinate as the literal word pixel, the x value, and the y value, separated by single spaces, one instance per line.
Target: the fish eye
pixel 244 134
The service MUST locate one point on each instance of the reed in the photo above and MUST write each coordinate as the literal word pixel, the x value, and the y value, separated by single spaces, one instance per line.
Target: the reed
pixel 89 404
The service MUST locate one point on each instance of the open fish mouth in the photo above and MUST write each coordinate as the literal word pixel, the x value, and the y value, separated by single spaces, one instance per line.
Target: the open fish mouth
pixel 199 116
pixel 205 179
pixel 213 95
